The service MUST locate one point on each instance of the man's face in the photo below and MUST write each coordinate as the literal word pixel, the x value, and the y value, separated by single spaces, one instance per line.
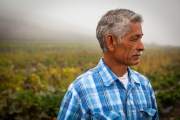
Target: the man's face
pixel 128 51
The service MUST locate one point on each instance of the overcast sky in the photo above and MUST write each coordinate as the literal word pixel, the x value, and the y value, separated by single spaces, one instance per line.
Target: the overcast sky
pixel 75 19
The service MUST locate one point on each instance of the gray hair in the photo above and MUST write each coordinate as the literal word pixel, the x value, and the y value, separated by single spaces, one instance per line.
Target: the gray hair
pixel 116 22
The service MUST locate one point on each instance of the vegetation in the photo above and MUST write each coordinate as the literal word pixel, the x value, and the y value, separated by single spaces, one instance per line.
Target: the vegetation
pixel 35 75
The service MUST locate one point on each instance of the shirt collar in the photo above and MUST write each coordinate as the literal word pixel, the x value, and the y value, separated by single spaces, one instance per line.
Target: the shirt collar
pixel 109 77
pixel 133 77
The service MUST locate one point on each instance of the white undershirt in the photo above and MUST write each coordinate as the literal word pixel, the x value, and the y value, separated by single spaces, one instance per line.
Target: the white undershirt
pixel 124 79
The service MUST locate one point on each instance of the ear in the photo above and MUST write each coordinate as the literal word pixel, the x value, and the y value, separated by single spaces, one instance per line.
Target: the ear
pixel 110 42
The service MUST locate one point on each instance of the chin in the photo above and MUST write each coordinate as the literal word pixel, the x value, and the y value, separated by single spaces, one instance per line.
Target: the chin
pixel 134 63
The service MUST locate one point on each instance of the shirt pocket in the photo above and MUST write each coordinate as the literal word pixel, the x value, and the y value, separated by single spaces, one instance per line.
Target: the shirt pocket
pixel 147 113
pixel 107 115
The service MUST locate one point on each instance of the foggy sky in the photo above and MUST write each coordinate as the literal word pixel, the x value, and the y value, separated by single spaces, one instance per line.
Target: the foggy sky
pixel 77 19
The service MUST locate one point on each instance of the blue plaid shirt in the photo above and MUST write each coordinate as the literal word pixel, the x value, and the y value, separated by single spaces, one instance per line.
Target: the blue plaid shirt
pixel 99 95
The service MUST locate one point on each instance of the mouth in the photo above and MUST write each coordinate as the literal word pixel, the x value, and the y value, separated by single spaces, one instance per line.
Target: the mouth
pixel 137 54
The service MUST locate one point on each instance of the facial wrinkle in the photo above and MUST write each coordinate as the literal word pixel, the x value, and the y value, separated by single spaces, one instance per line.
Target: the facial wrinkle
pixel 128 55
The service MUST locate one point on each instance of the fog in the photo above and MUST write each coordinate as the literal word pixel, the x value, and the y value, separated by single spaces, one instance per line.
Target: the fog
pixel 67 20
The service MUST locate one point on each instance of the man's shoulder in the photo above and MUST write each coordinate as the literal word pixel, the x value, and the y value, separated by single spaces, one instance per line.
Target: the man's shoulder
pixel 86 74
pixel 139 77
pixel 88 78
pixel 137 73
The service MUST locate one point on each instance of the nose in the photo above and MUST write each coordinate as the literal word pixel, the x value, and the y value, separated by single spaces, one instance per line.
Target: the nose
pixel 141 46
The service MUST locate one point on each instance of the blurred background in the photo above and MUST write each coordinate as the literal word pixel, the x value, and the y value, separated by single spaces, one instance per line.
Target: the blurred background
pixel 46 44
pixel 70 20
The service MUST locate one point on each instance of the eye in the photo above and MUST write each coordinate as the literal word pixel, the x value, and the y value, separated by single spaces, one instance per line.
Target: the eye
pixel 134 39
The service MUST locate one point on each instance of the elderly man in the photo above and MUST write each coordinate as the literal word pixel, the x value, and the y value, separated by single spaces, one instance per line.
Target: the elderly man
pixel 111 90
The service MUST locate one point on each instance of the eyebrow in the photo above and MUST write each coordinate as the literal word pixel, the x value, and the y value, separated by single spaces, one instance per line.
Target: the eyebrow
pixel 139 35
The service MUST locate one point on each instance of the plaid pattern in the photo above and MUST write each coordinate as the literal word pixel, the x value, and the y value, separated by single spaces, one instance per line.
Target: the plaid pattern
pixel 99 95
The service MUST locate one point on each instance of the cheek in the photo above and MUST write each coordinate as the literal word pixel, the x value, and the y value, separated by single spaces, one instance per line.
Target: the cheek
pixel 125 51
pixel 130 52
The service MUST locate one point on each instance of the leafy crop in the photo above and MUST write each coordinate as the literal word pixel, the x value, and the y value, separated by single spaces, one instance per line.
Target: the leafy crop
pixel 35 75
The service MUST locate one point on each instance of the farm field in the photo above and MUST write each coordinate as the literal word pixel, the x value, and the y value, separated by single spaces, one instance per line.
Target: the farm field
pixel 34 76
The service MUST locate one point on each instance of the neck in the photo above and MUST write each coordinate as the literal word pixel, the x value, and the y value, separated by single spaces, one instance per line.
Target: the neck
pixel 118 69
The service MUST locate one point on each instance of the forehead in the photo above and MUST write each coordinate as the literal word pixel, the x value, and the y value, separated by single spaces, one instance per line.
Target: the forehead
pixel 136 29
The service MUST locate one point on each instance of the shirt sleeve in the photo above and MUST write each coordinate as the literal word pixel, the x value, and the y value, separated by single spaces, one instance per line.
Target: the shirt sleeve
pixel 69 109
pixel 154 104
